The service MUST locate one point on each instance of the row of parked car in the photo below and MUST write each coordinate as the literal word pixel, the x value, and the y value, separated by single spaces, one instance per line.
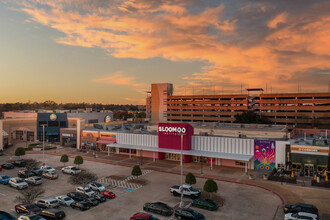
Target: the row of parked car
pixel 83 199
pixel 32 177
pixel 180 213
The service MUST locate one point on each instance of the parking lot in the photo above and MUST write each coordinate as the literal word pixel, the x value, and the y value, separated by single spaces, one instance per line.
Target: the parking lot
pixel 241 201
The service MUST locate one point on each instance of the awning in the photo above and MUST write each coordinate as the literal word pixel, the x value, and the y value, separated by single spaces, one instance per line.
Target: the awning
pixel 187 152
pixel 105 142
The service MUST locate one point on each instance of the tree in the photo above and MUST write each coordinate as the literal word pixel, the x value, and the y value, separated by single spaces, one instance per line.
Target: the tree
pixel 31 163
pixel 20 152
pixel 78 160
pixel 136 171
pixel 83 178
pixel 29 195
pixel 210 186
pixel 190 179
pixel 64 159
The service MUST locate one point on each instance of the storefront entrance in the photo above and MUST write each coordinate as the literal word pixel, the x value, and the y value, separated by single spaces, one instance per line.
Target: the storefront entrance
pixel 308 169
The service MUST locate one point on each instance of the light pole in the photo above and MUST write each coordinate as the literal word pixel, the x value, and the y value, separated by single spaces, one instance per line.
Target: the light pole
pixel 181 202
pixel 43 144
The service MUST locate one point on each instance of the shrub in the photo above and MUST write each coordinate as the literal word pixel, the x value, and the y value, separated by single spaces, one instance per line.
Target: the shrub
pixel 190 179
pixel 83 178
pixel 78 160
pixel 64 159
pixel 136 171
pixel 20 152
pixel 211 187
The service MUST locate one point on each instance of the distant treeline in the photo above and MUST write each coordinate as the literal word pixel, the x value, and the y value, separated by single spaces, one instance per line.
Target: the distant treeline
pixel 51 105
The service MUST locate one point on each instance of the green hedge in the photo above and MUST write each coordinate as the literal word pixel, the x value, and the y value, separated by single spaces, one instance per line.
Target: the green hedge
pixel 28 148
pixel 321 184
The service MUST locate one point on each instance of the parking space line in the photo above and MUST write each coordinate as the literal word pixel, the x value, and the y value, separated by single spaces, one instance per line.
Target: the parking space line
pixel 2 194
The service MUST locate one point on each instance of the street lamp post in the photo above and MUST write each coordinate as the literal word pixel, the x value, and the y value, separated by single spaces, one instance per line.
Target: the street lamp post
pixel 43 143
pixel 181 164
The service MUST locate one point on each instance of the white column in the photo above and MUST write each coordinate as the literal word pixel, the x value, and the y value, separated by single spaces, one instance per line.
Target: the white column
pixel 154 156
pixel 1 135
pixel 246 166
pixel 211 164
pixel 108 151
pixel 130 155
pixel 78 134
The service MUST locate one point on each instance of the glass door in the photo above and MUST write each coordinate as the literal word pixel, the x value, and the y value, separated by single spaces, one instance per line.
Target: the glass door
pixel 309 169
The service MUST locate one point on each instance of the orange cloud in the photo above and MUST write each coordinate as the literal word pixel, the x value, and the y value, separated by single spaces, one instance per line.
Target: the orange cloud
pixel 281 18
pixel 254 45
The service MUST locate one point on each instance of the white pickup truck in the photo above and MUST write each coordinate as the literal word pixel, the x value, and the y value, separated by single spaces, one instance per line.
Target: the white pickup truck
pixel 187 191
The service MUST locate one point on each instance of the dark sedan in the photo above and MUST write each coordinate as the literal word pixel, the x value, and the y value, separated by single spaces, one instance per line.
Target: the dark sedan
pixel 6 215
pixel 205 204
pixel 19 163
pixel 25 208
pixel 76 196
pixel 188 214
pixel 300 207
pixel 52 214
pixel 37 171
pixel 25 174
pixel 92 201
pixel 158 207
pixel 7 166
pixel 80 205
pixel 99 197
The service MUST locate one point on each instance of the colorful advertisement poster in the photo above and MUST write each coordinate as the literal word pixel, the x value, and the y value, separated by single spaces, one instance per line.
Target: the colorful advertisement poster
pixel 264 155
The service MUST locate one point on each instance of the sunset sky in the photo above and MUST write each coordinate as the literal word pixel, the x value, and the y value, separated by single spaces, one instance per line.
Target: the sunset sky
pixel 111 51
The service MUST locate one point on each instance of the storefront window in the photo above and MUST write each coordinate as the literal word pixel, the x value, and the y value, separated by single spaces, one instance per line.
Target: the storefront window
pixel 321 168
pixel 19 135
pixel 296 167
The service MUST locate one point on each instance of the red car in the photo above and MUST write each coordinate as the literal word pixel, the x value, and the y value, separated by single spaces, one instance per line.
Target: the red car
pixel 108 194
pixel 145 216
pixel 0 168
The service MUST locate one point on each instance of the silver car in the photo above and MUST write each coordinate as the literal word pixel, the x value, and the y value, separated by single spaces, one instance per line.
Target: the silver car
pixel 34 180
pixel 64 200
pixel 17 183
